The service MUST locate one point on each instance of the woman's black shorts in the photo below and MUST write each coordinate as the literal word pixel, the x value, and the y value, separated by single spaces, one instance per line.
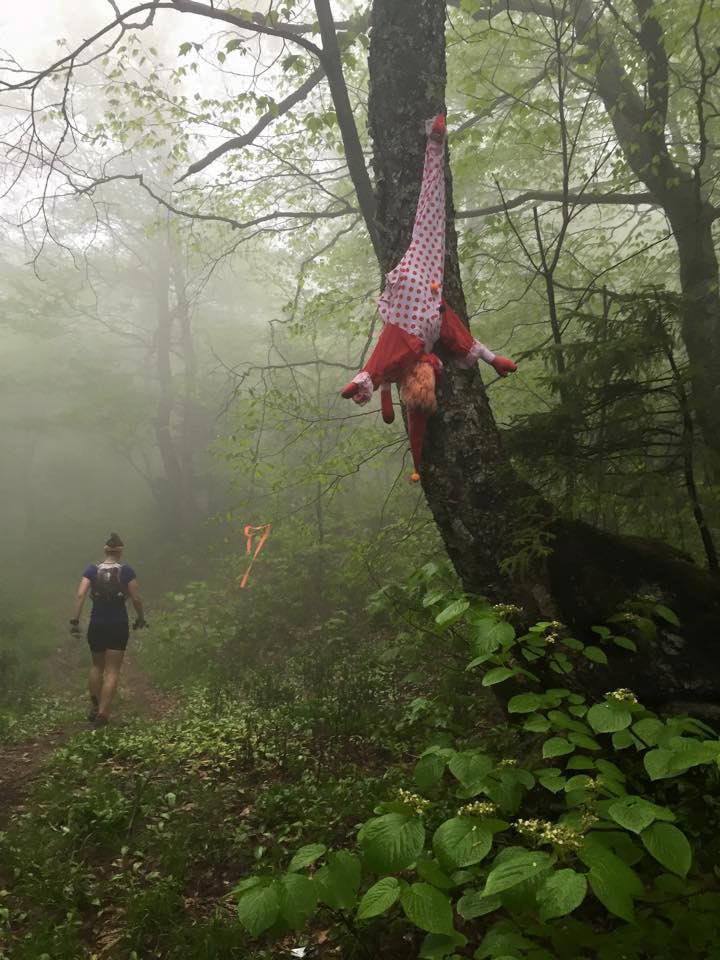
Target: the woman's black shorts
pixel 108 636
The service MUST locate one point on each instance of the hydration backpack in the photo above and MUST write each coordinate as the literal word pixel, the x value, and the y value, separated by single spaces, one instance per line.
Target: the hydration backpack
pixel 107 584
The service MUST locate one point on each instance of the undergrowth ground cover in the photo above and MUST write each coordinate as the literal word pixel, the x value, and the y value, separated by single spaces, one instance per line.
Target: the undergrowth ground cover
pixel 373 798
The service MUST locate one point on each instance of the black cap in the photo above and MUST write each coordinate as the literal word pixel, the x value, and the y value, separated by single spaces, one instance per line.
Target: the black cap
pixel 114 541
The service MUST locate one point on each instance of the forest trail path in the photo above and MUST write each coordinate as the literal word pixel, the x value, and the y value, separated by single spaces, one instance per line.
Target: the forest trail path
pixel 21 763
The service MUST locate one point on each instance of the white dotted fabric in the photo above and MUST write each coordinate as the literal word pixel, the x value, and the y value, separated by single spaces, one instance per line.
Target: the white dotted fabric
pixel 413 293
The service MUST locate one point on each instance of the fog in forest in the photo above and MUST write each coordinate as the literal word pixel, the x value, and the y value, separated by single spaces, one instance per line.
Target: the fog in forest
pixel 359 420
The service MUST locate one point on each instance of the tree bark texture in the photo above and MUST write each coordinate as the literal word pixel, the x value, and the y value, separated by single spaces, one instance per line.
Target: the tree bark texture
pixel 481 509
pixel 467 481
pixel 640 129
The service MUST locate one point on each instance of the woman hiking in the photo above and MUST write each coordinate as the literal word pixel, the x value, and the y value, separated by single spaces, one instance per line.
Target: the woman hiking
pixel 110 583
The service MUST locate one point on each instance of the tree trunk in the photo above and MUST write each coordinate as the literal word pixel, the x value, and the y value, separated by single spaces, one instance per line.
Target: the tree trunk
pixel 692 227
pixel 484 514
pixel 171 489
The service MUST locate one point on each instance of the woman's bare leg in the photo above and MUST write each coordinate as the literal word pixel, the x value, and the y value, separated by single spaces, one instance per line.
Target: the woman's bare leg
pixel 113 663
pixel 95 680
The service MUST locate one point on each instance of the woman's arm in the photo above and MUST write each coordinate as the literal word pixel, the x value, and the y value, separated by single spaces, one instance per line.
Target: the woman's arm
pixel 134 591
pixel 82 592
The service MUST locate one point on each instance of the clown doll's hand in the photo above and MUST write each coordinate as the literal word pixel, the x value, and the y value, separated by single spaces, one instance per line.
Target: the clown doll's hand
pixel 503 366
pixel 350 390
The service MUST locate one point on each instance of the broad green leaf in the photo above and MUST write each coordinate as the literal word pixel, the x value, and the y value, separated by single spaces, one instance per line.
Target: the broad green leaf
pixel 536 723
pixel 613 882
pixel 626 643
pixel 433 597
pixel 526 703
pixel 470 767
pixel 428 908
pixel 438 946
pixel 561 893
pixel 604 719
pixel 339 880
pixel 379 898
pixel 430 870
pixel 452 613
pixel 581 740
pixel 392 842
pixel 474 904
pixel 258 909
pixel 595 654
pixel 667 614
pixel 669 846
pixel 636 813
pixel 306 855
pixel 681 755
pixel 298 897
pixel 429 771
pixel 556 747
pixel 487 636
pixel 461 842
pixel 649 730
pixel 515 869
pixel 498 675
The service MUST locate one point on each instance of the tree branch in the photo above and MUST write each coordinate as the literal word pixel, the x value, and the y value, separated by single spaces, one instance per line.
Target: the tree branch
pixel 237 143
pixel 308 215
pixel 346 121
pixel 559 196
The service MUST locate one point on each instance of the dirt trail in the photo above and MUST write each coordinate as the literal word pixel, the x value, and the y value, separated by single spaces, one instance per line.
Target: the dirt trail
pixel 21 764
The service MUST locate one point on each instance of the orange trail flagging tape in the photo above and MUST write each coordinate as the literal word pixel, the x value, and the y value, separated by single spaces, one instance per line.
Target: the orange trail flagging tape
pixel 250 532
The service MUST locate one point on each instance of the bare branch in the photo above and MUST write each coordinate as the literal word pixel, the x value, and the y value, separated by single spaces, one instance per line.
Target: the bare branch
pixel 559 196
pixel 307 215
pixel 237 143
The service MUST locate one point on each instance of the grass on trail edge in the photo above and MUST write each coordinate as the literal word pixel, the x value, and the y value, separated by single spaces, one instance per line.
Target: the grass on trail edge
pixel 130 839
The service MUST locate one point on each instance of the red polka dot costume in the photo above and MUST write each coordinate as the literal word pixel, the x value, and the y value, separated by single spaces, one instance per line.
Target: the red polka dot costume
pixel 416 316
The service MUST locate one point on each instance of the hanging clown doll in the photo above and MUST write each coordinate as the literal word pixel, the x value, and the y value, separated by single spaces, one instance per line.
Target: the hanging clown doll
pixel 416 315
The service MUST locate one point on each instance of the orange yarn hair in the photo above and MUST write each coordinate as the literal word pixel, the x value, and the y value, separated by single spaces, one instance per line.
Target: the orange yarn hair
pixel 417 389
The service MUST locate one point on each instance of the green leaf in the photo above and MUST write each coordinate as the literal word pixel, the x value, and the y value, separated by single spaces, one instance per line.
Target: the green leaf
pixel 636 813
pixel 626 643
pixel 461 842
pixel 430 870
pixel 339 880
pixel 452 613
pixel 428 908
pixel 379 898
pixel 473 904
pixel 298 899
pixel 526 703
pixel 392 842
pixel 537 723
pixel 669 846
pixel 580 740
pixel 612 881
pixel 438 946
pixel 433 597
pixel 487 636
pixel 667 614
pixel 595 654
pixel 561 893
pixel 682 754
pixel 258 909
pixel 429 771
pixel 522 865
pixel 497 676
pixel 470 767
pixel 556 747
pixel 605 719
pixel 307 855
